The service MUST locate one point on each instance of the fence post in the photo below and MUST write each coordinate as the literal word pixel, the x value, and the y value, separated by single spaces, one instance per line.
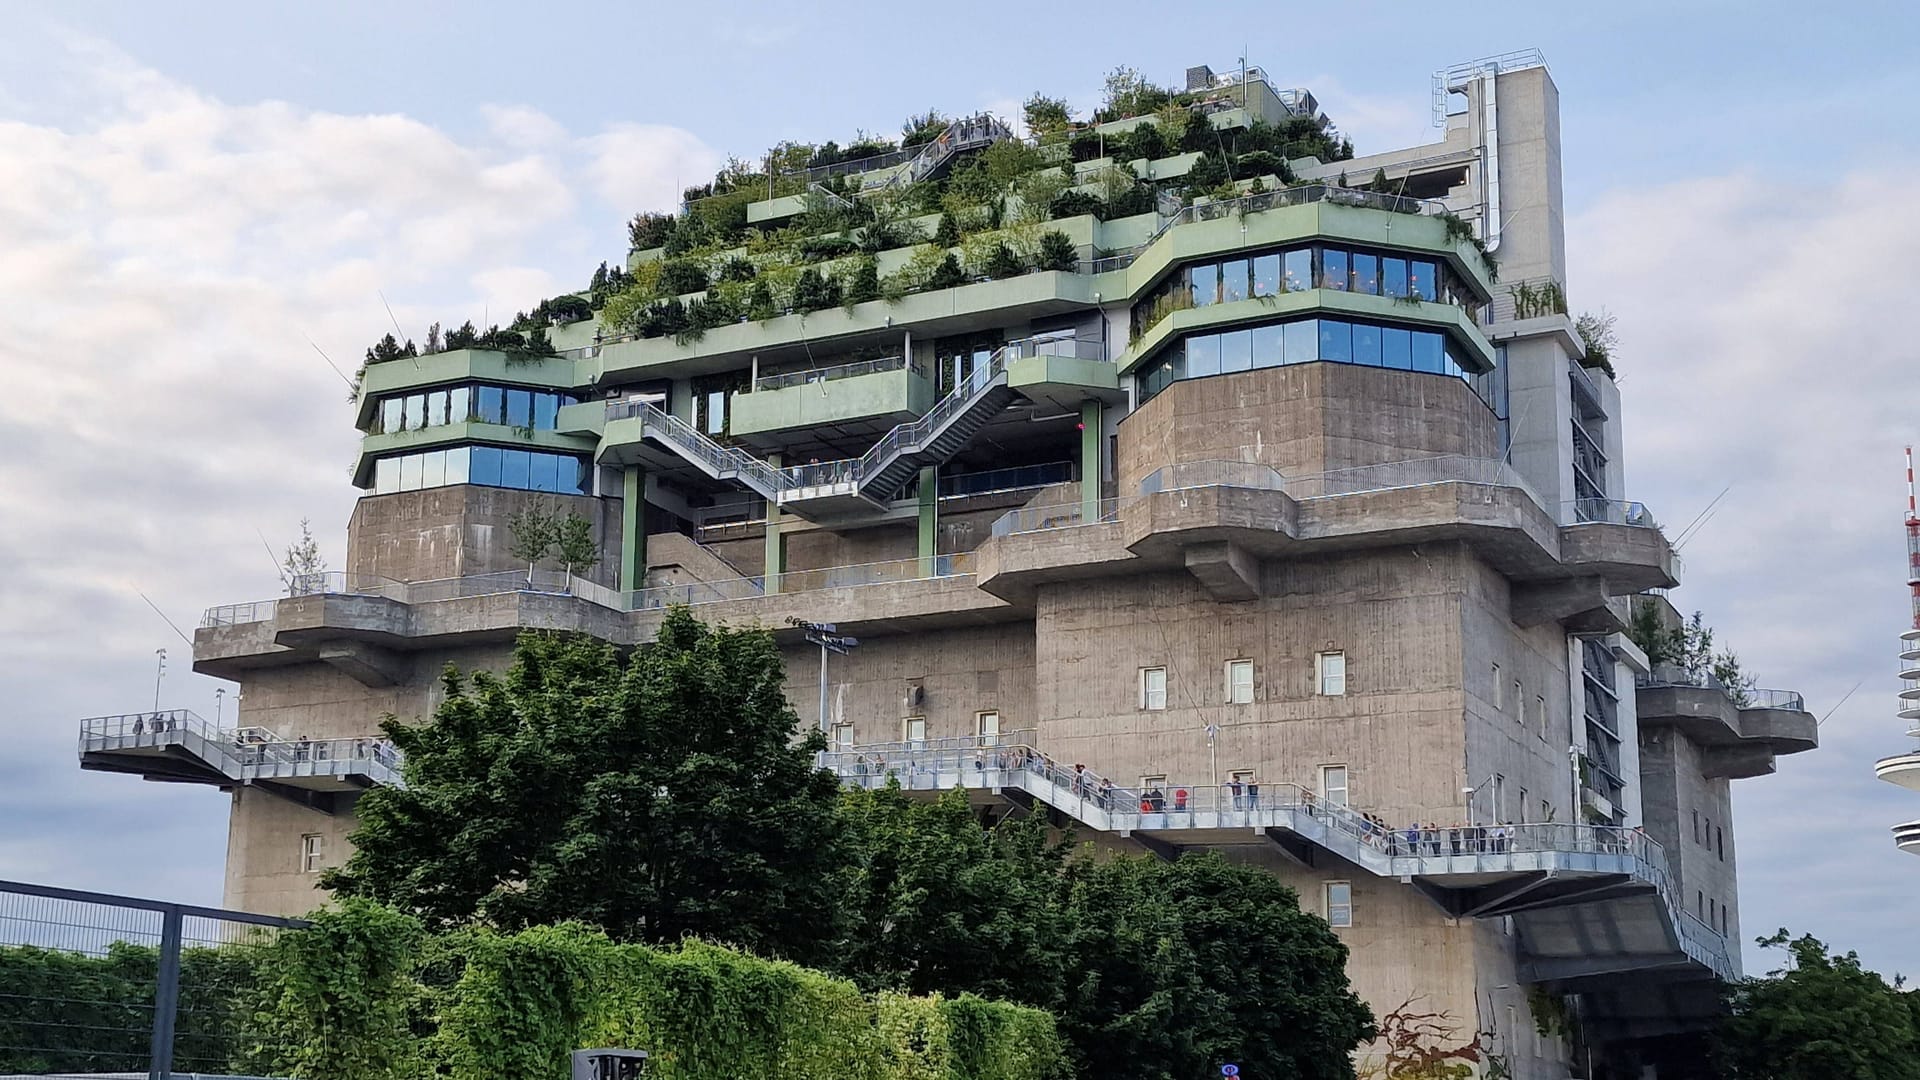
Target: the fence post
pixel 166 995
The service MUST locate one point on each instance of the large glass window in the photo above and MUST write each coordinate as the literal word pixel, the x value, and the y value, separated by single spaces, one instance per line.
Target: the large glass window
pixel 1233 280
pixel 392 414
pixel 1204 280
pixel 410 472
pixel 458 409
pixel 416 412
pixel 1366 274
pixel 433 469
pixel 386 476
pixel 437 408
pixel 492 407
pixel 545 408
pixel 519 408
pixel 1393 277
pixel 1425 281
pixel 528 470
pixel 1333 269
pixel 536 409
pixel 1299 269
pixel 1266 275
pixel 1303 341
pixel 515 469
pixel 485 467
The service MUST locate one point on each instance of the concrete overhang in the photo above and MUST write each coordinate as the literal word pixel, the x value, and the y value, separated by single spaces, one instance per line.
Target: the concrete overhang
pixel 1902 769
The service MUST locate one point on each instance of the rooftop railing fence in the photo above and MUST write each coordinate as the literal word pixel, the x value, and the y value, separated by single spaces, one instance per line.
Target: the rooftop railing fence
pixel 832 373
pixel 1745 697
pixel 239 751
pixel 106 984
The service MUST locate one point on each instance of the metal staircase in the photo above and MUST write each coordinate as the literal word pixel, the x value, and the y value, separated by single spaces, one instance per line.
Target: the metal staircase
pixel 965 134
pixel 1590 903
pixel 853 485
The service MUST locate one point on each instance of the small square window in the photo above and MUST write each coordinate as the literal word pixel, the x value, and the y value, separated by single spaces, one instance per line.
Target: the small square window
pixel 914 729
pixel 1339 903
pixel 842 736
pixel 312 851
pixel 1153 688
pixel 1239 682
pixel 1332 668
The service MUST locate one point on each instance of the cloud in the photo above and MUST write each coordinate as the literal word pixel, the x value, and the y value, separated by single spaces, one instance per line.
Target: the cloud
pixel 1374 122
pixel 645 166
pixel 1758 357
pixel 171 263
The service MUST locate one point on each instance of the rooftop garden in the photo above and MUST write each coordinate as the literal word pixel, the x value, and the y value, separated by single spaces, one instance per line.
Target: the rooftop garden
pixel 986 217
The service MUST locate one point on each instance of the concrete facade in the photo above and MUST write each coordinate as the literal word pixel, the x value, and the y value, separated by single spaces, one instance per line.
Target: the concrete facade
pixel 1426 529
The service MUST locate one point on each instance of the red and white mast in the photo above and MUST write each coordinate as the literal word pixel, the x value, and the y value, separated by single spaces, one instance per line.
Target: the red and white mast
pixel 1913 543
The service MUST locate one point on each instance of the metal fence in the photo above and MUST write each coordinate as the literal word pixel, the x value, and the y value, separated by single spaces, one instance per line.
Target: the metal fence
pixel 92 983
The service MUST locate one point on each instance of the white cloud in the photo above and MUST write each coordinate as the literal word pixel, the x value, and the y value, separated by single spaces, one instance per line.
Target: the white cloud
pixel 1374 122
pixel 1763 352
pixel 166 257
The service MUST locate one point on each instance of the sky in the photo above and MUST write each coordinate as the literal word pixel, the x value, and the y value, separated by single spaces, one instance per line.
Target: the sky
pixel 205 210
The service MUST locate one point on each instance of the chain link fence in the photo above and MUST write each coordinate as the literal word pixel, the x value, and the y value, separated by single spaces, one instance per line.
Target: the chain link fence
pixel 94 985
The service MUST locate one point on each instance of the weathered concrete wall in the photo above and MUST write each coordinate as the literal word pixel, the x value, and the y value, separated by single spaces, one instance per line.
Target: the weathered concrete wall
pixel 1673 795
pixel 1519 730
pixel 461 530
pixel 960 673
pixel 1306 419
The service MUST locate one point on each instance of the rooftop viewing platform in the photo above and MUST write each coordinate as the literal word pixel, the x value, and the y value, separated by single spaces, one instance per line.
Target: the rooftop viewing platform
pixel 177 745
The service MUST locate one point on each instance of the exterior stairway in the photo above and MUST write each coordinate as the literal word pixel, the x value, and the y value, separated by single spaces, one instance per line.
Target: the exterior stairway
pixel 967 133
pixel 1591 904
pixel 838 489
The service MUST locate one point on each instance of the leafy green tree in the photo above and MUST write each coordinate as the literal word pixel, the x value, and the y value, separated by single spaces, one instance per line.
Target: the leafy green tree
pixel 531 532
pixel 573 542
pixel 948 274
pixel 1003 263
pixel 302 559
pixel 1820 1017
pixel 1207 173
pixel 947 233
pixel 864 283
pixel 1047 118
pixel 1181 966
pixel 1057 251
pixel 760 301
pixel 662 795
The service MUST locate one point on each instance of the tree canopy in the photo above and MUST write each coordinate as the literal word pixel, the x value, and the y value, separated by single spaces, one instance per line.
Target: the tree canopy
pixel 658 796
pixel 1822 1016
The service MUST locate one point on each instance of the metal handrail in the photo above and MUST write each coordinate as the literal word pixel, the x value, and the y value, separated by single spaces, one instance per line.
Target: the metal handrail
pixel 1608 512
pixel 237 749
pixel 829 374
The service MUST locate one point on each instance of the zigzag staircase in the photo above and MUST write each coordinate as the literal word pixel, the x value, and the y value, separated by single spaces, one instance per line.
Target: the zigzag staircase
pixel 968 133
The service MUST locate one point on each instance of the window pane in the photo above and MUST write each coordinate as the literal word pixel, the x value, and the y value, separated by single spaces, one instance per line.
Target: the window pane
pixel 493 406
pixel 514 467
pixel 545 472
pixel 1366 344
pixel 1429 353
pixel 1425 283
pixel 386 476
pixel 410 472
pixel 1204 281
pixel 1266 346
pixel 437 408
pixel 1393 277
pixel 544 406
pixel 1366 274
pixel 717 411
pixel 581 476
pixel 1333 269
pixel 433 468
pixel 459 409
pixel 1236 350
pixel 484 466
pixel 1233 280
pixel 1396 348
pixel 1266 275
pixel 1203 356
pixel 457 465
pixel 1298 270
pixel 519 408
pixel 416 411
pixel 1303 341
pixel 1336 341
pixel 393 415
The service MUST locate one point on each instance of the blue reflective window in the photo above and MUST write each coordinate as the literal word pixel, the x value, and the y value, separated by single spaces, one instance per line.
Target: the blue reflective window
pixel 485 465
pixel 492 405
pixel 1396 348
pixel 1297 270
pixel 1204 281
pixel 544 407
pixel 576 475
pixel 1266 346
pixel 1302 341
pixel 1336 341
pixel 1233 280
pixel 386 476
pixel 1429 353
pixel 1393 277
pixel 1236 350
pixel 519 408
pixel 516 467
pixel 1333 269
pixel 1366 344
pixel 392 415
pixel 1203 356
pixel 1426 279
pixel 1366 274
pixel 1266 275
pixel 543 472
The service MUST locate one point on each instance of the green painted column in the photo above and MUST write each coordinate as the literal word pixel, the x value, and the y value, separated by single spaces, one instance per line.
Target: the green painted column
pixel 776 556
pixel 929 520
pixel 1090 443
pixel 633 529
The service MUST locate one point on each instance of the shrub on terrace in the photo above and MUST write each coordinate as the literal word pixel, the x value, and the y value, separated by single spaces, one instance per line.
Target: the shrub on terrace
pixel 1075 203
pixel 1001 262
pixel 1057 252
pixel 1207 173
pixel 681 276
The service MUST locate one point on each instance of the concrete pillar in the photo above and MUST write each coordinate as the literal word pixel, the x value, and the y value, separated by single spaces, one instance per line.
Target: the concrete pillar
pixel 776 556
pixel 929 520
pixel 1090 460
pixel 633 528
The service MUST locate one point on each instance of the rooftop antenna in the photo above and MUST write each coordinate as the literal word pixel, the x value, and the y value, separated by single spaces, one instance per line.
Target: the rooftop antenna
pixel 1700 519
pixel 399 334
pixel 1836 706
pixel 164 619
pixel 330 363
pixel 1913 543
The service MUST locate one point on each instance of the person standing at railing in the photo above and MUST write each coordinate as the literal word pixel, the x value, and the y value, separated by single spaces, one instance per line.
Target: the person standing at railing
pixel 1434 842
pixel 1079 781
pixel 1413 839
pixel 1180 800
pixel 1237 794
pixel 1156 800
pixel 1499 839
pixel 138 727
pixel 1104 797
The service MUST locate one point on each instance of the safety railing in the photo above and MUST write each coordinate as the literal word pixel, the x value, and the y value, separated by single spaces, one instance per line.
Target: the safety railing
pixel 888 571
pixel 1068 515
pixel 628 408
pixel 830 374
pixel 1787 700
pixel 254 611
pixel 1609 512
pixel 334 583
pixel 1586 393
pixel 1299 195
pixel 1745 697
pixel 241 753
pixel 1015 478
pixel 1196 474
